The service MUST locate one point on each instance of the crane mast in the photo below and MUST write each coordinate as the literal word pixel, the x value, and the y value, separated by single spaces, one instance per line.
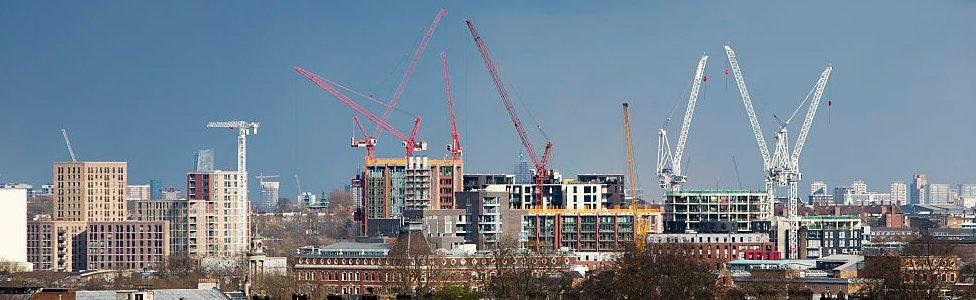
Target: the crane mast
pixel 634 191
pixel 668 163
pixel 541 171
pixel 455 146
pixel 410 144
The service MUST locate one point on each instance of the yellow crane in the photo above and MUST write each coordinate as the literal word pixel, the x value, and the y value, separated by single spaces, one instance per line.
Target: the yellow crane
pixel 640 224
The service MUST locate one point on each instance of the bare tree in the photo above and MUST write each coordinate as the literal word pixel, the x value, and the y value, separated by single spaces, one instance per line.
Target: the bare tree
pixel 661 271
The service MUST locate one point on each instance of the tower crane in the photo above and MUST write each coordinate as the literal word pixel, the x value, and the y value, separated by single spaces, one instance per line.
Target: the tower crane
pixel 455 146
pixel 782 168
pixel 367 141
pixel 410 143
pixel 540 163
pixel 67 142
pixel 634 192
pixel 640 224
pixel 669 163
pixel 244 128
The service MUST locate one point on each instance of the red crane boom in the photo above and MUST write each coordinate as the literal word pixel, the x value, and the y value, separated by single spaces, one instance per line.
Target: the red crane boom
pixel 417 54
pixel 541 171
pixel 410 143
pixel 367 141
pixel 455 147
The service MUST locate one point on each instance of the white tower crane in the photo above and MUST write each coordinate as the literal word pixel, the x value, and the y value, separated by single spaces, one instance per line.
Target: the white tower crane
pixel 669 163
pixel 244 129
pixel 783 168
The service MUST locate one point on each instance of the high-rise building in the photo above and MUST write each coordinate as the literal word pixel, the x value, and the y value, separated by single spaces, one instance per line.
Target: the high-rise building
pixel 13 226
pixel 170 193
pixel 394 184
pixel 138 192
pixel 842 194
pixel 899 192
pixel 523 170
pixel 939 194
pixel 859 187
pixel 154 189
pixel 203 160
pixel 218 214
pixel 269 193
pixel 173 212
pixel 917 192
pixel 818 188
pixel 967 195
pixel 89 191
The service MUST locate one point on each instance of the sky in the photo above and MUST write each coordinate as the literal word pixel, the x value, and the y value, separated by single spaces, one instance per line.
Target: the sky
pixel 138 81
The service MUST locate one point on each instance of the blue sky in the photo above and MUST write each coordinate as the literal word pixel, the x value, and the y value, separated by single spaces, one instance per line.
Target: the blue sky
pixel 137 81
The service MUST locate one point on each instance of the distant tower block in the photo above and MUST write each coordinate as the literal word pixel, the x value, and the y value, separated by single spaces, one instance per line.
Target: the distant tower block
pixel 204 160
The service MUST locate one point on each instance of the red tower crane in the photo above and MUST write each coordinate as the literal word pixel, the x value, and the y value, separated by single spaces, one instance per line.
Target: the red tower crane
pixel 455 146
pixel 366 141
pixel 541 171
pixel 410 143
pixel 417 54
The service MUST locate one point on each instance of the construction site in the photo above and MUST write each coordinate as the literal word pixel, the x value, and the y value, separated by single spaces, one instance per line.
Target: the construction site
pixel 592 213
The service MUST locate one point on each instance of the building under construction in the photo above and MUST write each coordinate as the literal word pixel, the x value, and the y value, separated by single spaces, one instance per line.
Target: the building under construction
pixel 711 211
pixel 392 185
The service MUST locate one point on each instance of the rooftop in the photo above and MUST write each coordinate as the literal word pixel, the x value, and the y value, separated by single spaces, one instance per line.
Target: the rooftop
pixel 717 192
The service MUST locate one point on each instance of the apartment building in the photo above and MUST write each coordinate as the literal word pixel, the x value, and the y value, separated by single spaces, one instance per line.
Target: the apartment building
pixel 585 230
pixel 394 184
pixel 820 236
pixel 129 245
pixel 218 218
pixel 57 245
pixel 716 211
pixel 174 212
pixel 90 191
pixel 714 249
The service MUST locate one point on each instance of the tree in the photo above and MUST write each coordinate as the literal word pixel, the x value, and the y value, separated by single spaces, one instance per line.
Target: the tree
pixel 919 272
pixel 455 292
pixel 662 271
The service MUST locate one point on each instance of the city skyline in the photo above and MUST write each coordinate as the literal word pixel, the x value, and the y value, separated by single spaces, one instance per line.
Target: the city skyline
pixel 898 88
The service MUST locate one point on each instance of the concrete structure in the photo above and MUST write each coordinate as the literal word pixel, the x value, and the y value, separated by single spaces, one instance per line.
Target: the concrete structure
pixel 203 160
pixel 173 212
pixel 917 191
pixel 820 236
pixel 13 226
pixel 218 215
pixel 170 193
pixel 899 192
pixel 128 245
pixel 939 193
pixel 482 181
pixel 585 230
pixel 713 249
pixel 868 198
pixel 138 192
pixel 269 194
pixel 706 211
pixel 90 191
pixel 614 192
pixel 392 185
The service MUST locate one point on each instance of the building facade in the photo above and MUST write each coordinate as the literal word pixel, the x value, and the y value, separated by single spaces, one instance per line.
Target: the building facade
pixel 218 215
pixel 916 193
pixel 714 249
pixel 392 185
pixel 174 212
pixel 13 225
pixel 129 245
pixel 57 245
pixel 585 230
pixel 820 236
pixel 716 211
pixel 90 191
pixel 899 192
pixel 939 193
pixel 269 194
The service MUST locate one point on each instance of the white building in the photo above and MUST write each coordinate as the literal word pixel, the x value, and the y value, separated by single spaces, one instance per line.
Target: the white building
pixel 13 226
pixel 818 188
pixel 269 194
pixel 138 192
pixel 967 195
pixel 939 194
pixel 859 187
pixel 899 192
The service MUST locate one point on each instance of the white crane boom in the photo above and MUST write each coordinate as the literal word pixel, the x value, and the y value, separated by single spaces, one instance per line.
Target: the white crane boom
pixel 689 113
pixel 299 184
pixel 747 101
pixel 668 162
pixel 808 121
pixel 67 142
